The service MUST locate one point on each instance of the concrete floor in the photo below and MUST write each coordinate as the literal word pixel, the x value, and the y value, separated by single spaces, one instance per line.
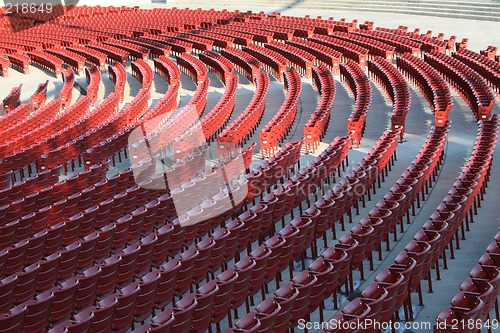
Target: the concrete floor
pixel 461 140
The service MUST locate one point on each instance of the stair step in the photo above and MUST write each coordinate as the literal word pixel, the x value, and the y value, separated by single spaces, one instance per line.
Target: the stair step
pixel 479 10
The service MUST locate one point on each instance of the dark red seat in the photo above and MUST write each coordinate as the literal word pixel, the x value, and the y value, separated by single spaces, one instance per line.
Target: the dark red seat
pixel 244 268
pixel 249 324
pixel 166 286
pixel 185 275
pixel 47 276
pixel 12 321
pixel 126 270
pixel 125 307
pixel 86 292
pixel 103 314
pixel 26 283
pixel 267 312
pixel 202 315
pixel 183 313
pixel 147 295
pixel 260 256
pixel 37 313
pixel 7 288
pixel 304 283
pixel 62 304
pixel 202 263
pixel 80 324
pixel 162 323
pixel 222 301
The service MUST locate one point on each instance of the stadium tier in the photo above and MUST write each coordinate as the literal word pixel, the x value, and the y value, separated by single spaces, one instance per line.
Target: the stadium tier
pixel 240 171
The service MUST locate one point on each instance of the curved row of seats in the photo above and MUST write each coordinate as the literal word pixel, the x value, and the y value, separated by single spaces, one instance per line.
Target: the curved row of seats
pixel 268 31
pixel 143 73
pixel 244 63
pixel 466 81
pixel 277 128
pixel 349 50
pixel 118 76
pixel 239 37
pixel 428 43
pixel 273 62
pixel 394 84
pixel 219 116
pixel 19 61
pixel 220 66
pixel 135 52
pixel 375 47
pixel 155 49
pixel 490 52
pixel 430 83
pixel 18 139
pixel 429 244
pixel 165 107
pixel 248 31
pixel 93 76
pixel 192 67
pixel 402 45
pixel 92 56
pixel 302 60
pixel 66 92
pixel 317 124
pixel 209 126
pixel 220 42
pixel 112 53
pixel 244 125
pixel 321 26
pixel 46 61
pixel 487 68
pixel 39 97
pixel 72 59
pixel 198 44
pixel 322 53
pixel 167 69
pixel 358 83
pixel 177 46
